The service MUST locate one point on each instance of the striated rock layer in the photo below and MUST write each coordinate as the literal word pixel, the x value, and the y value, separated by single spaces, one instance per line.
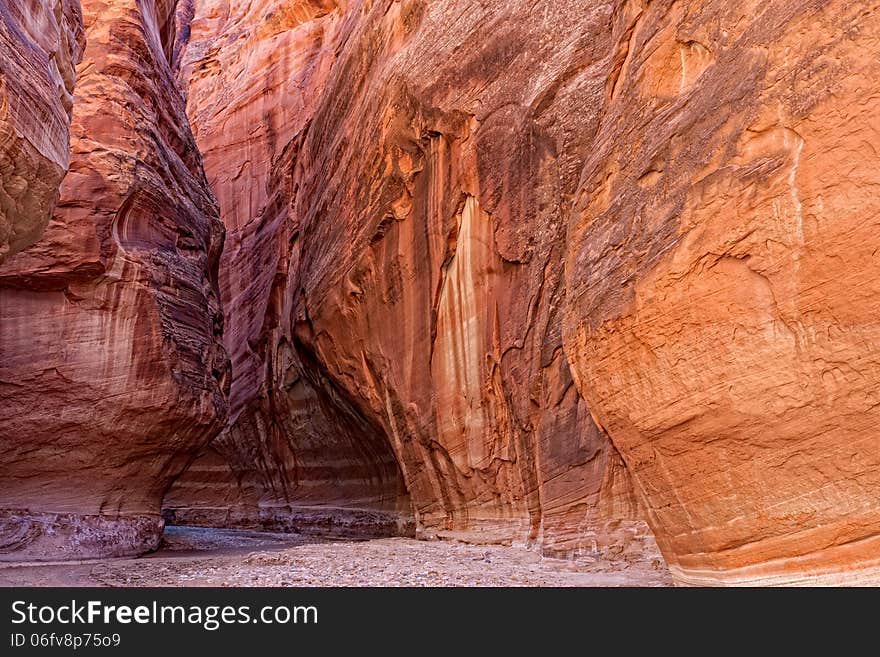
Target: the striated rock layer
pixel 529 272
pixel 111 371
pixel 297 453
pixel 722 284
pixel 685 187
pixel 428 194
pixel 393 177
pixel 41 42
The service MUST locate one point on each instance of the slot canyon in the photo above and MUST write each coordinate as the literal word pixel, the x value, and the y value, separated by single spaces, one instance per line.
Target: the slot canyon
pixel 586 279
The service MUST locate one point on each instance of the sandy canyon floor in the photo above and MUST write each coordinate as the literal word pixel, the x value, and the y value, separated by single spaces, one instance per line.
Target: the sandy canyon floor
pixel 214 557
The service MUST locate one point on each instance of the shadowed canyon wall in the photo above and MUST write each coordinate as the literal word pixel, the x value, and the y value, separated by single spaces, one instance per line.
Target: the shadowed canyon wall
pixel 297 453
pixel 111 370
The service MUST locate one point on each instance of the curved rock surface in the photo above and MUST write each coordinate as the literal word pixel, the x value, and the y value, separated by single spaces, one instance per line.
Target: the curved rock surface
pixel 511 272
pixel 723 285
pixel 297 454
pixel 425 206
pixel 428 212
pixel 41 42
pixel 111 371
pixel 393 274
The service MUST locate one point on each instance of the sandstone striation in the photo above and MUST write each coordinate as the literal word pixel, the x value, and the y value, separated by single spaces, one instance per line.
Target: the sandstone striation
pixel 297 454
pixel 112 374
pixel 393 177
pixel 569 275
pixel 684 162
pixel 41 42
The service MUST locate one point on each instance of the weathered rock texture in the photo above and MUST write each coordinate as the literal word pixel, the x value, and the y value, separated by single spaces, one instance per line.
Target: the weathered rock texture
pixel 723 284
pixel 297 454
pixel 505 271
pixel 40 43
pixel 393 177
pixel 705 171
pixel 111 370
pixel 428 207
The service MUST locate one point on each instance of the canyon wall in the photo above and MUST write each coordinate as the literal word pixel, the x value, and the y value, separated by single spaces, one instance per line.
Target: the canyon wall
pixel 428 210
pixel 722 285
pixel 547 273
pixel 41 42
pixel 111 371
pixel 393 177
pixel 685 188
pixel 297 454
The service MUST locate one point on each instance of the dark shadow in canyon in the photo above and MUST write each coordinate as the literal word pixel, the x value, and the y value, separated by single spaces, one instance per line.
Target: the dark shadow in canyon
pixel 302 458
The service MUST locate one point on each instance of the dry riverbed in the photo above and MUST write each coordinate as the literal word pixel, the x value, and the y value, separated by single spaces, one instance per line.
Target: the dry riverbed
pixel 214 557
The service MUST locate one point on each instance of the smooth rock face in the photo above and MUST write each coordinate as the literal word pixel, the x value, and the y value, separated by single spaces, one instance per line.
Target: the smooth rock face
pixel 392 176
pixel 723 285
pixel 41 42
pixel 112 375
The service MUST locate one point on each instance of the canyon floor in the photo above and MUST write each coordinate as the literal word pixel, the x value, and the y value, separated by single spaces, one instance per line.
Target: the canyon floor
pixel 218 557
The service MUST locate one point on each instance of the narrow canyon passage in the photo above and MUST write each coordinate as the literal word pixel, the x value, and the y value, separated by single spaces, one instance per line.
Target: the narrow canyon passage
pixel 587 282
pixel 397 364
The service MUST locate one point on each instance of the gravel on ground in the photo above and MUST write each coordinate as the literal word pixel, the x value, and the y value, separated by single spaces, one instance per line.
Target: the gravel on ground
pixel 193 556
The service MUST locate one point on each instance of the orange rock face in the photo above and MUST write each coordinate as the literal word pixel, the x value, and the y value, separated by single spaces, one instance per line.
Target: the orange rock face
pixel 393 274
pixel 722 285
pixel 543 273
pixel 429 201
pixel 40 43
pixel 111 370
pixel 685 164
